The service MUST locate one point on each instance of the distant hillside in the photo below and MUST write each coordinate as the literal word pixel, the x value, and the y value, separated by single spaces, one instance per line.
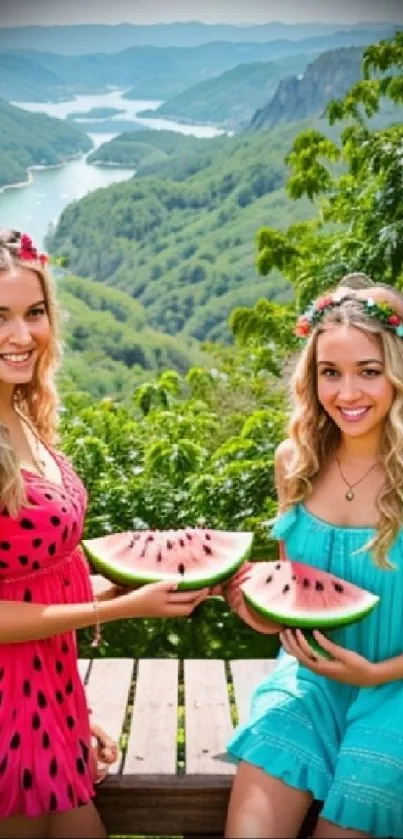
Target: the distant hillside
pixel 24 80
pixel 148 72
pixel 231 99
pixel 109 346
pixel 90 38
pixel 146 149
pixel 181 239
pixel 95 113
pixel 328 77
pixel 28 139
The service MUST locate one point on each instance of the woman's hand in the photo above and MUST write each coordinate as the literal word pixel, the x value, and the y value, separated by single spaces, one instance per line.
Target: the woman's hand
pixel 234 596
pixel 344 666
pixel 105 751
pixel 158 600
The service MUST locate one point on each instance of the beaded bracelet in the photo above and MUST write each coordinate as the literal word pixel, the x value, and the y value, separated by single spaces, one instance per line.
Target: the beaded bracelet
pixel 97 640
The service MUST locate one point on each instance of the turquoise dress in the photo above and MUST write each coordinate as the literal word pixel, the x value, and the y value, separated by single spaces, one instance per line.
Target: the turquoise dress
pixel 342 743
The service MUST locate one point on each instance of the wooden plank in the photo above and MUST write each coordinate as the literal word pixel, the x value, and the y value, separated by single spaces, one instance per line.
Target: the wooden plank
pixel 246 675
pixel 170 805
pixel 107 693
pixel 208 723
pixel 84 665
pixel 152 741
pixel 164 805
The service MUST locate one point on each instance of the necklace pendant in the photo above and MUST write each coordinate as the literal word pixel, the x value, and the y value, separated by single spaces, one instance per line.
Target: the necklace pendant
pixel 349 495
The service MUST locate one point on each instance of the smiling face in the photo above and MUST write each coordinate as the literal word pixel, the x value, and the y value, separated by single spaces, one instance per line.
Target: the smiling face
pixel 24 325
pixel 352 386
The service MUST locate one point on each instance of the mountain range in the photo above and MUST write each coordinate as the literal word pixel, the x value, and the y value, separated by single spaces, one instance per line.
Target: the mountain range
pixel 95 38
pixel 149 72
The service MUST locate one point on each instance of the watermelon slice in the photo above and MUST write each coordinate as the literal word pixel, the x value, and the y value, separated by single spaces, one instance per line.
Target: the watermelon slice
pixel 298 595
pixel 192 558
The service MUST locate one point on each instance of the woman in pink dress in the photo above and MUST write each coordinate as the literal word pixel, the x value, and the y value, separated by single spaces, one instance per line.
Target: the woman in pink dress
pixel 47 770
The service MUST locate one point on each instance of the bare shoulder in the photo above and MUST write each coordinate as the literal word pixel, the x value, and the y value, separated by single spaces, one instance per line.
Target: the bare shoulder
pixel 282 458
pixel 283 454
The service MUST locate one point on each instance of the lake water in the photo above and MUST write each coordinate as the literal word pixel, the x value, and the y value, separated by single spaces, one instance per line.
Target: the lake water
pixel 35 206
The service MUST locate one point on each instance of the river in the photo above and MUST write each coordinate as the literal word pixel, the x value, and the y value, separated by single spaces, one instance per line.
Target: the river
pixel 35 206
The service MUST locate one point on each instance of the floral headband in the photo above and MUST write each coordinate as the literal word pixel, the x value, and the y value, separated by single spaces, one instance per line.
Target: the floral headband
pixel 27 250
pixel 20 245
pixel 382 312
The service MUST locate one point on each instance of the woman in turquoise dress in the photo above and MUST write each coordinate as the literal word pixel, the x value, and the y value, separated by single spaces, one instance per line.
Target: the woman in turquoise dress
pixel 332 729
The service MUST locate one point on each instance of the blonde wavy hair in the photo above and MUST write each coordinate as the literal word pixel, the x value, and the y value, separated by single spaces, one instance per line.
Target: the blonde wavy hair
pixel 316 437
pixel 36 400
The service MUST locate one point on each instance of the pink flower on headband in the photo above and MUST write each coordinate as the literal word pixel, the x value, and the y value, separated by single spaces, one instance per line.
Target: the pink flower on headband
pixel 28 252
pixel 323 302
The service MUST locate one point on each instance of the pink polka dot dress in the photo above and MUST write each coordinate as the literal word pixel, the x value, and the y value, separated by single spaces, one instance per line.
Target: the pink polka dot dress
pixel 45 755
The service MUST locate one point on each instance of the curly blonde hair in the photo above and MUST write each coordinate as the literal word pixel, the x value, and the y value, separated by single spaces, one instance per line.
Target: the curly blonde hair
pixel 315 436
pixel 36 400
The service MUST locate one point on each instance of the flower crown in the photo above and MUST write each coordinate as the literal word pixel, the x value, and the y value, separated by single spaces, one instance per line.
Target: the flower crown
pixel 21 246
pixel 382 312
pixel 28 252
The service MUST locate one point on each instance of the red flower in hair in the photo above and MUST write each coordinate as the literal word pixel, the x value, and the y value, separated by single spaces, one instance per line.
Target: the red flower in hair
pixel 394 320
pixel 302 328
pixel 323 302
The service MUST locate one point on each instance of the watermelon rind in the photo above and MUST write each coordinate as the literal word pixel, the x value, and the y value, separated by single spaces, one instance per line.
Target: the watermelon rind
pixel 326 619
pixel 129 577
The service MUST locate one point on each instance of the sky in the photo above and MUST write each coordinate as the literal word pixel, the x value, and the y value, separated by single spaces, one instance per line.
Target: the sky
pixel 47 12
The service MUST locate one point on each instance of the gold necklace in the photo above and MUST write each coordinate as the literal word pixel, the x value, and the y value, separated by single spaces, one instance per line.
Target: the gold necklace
pixel 350 495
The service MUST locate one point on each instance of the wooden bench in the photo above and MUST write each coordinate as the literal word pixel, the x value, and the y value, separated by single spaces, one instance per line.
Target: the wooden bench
pixel 172 720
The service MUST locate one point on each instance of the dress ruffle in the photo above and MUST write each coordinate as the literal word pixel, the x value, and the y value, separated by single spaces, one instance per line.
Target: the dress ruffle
pixel 284 523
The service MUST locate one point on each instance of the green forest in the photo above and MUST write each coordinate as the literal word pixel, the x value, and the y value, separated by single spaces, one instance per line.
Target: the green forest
pixel 35 140
pixel 196 447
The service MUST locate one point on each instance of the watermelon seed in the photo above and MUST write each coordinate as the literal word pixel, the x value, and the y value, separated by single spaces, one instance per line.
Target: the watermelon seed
pixel 338 587
pixel 159 556
pixel 269 579
pixel 169 544
pixel 278 566
pixel 286 588
pixel 181 568
pixel 208 537
pixel 293 578
pixel 207 550
pixel 181 542
pixel 319 586
pixel 189 536
pixel 306 583
pixel 150 538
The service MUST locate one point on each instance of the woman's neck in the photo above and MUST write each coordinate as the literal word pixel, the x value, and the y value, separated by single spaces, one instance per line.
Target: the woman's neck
pixel 360 449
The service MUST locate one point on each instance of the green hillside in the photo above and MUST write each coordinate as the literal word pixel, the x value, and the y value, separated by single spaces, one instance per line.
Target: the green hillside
pixel 147 149
pixel 24 80
pixel 28 139
pixel 183 245
pixel 109 346
pixel 231 99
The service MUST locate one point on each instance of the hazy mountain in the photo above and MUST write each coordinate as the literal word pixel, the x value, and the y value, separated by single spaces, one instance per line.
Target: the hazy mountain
pixel 86 39
pixel 231 99
pixel 328 77
pixel 24 80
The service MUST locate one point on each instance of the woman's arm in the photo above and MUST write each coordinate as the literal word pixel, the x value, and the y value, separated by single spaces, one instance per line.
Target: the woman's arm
pixel 390 670
pixel 33 621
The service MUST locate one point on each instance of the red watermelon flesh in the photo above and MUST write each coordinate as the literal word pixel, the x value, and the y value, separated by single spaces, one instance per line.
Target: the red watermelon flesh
pixel 294 594
pixel 192 558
